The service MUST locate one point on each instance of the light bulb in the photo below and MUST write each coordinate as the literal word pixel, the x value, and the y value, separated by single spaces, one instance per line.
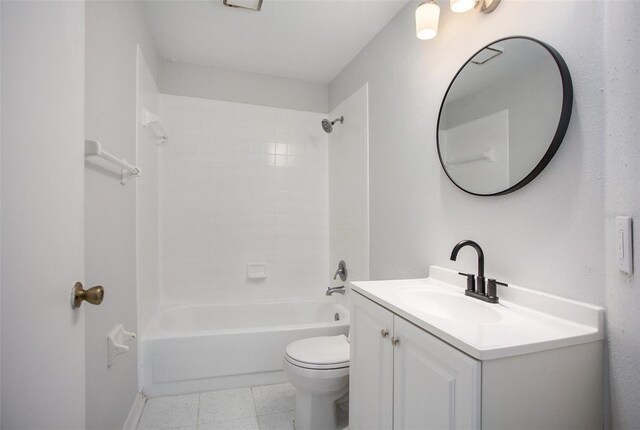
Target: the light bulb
pixel 427 17
pixel 462 5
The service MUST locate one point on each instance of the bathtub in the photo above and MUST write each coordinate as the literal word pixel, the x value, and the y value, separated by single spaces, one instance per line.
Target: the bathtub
pixel 194 348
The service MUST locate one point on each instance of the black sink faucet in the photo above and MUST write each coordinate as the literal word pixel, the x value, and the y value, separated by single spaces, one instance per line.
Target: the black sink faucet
pixel 477 289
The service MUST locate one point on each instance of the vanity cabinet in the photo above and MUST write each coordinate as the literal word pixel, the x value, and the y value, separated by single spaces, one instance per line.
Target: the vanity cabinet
pixel 402 377
pixel 371 366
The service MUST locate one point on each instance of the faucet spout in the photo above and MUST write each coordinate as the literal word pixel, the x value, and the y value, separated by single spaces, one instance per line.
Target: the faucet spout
pixel 334 290
pixel 474 245
pixel 477 289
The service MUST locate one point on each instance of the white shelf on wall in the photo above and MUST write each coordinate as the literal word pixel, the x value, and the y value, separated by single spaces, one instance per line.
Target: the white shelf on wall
pixel 93 148
pixel 152 122
pixel 485 156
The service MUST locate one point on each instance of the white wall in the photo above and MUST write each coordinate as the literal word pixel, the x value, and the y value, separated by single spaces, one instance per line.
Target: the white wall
pixel 42 173
pixel 241 184
pixel 215 83
pixel 349 188
pixel 417 215
pixel 0 219
pixel 622 197
pixel 550 235
pixel 113 31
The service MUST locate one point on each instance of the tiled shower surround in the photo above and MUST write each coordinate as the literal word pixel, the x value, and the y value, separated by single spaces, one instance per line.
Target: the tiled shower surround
pixel 241 184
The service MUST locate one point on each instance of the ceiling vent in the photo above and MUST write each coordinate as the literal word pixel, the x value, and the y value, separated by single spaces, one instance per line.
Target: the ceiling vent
pixel 488 53
pixel 255 5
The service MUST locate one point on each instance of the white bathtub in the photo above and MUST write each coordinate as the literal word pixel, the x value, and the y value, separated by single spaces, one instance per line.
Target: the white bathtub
pixel 211 347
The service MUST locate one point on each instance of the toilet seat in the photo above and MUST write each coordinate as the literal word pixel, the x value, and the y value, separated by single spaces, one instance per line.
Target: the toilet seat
pixel 314 366
pixel 322 353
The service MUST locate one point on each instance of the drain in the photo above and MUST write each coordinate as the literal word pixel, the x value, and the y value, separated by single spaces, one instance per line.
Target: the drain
pixel 336 317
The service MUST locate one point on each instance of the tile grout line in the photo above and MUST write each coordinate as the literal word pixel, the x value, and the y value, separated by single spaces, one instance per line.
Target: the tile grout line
pixel 255 407
pixel 198 412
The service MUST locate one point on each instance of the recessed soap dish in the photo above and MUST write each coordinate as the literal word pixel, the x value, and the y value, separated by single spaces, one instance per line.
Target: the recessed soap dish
pixel 256 271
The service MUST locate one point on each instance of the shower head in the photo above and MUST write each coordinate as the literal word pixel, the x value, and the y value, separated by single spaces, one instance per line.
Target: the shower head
pixel 327 125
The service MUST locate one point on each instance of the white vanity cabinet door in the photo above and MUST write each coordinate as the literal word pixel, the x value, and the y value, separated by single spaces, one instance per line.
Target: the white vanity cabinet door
pixel 435 385
pixel 371 369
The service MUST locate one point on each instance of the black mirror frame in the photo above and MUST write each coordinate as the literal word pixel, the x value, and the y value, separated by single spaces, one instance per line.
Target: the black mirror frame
pixel 561 130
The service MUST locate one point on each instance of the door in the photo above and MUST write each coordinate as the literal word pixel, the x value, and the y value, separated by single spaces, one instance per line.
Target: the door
pixel 435 385
pixel 371 370
pixel 42 168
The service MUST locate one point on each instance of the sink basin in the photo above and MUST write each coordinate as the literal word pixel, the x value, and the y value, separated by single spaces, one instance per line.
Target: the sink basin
pixel 456 307
pixel 525 321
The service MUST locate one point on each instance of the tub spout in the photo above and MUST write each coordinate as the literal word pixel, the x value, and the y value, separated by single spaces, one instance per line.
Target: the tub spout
pixel 334 290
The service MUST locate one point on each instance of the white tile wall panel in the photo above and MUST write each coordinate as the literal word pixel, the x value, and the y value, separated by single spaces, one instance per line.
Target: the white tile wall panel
pixel 349 188
pixel 242 184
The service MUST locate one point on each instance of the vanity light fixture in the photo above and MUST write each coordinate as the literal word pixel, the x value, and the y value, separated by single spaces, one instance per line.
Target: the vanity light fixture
pixel 427 17
pixel 428 14
pixel 486 6
pixel 460 6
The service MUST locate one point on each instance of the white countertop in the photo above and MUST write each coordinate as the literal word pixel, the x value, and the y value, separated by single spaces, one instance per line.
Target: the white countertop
pixel 524 321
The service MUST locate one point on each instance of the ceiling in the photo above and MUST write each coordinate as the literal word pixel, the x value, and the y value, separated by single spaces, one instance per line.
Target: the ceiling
pixel 308 40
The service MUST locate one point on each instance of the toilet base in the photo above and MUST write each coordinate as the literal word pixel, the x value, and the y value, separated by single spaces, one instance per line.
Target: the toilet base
pixel 317 412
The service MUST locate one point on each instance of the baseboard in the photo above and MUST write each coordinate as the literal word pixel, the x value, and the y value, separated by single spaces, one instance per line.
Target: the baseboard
pixel 135 413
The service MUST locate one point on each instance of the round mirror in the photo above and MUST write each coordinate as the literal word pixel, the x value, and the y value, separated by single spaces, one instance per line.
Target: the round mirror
pixel 504 116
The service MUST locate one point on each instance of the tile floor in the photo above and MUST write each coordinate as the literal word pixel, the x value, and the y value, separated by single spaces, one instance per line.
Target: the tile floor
pixel 257 408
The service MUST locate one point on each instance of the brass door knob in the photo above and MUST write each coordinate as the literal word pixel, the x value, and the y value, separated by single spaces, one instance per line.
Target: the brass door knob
pixel 93 295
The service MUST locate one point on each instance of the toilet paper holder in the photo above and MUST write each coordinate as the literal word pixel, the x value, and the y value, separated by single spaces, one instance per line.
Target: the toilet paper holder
pixel 116 340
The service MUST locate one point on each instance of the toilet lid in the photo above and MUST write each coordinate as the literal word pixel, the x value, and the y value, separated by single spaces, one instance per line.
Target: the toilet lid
pixel 320 351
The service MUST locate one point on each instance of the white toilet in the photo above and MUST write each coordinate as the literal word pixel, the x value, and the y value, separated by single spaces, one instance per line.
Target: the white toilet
pixel 318 367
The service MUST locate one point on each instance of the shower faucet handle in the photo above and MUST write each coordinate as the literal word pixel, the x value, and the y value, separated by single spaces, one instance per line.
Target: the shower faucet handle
pixel 342 271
